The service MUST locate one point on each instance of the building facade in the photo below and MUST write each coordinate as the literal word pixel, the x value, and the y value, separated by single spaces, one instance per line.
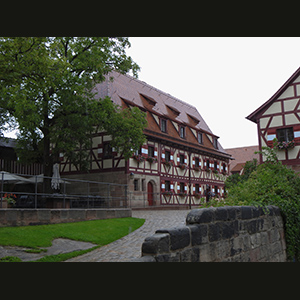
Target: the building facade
pixel 179 159
pixel 279 118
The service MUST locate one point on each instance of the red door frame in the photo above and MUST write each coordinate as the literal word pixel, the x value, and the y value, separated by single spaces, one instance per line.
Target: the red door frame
pixel 150 193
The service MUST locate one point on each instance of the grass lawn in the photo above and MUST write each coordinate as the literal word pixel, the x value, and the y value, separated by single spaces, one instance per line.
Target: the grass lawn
pixel 100 232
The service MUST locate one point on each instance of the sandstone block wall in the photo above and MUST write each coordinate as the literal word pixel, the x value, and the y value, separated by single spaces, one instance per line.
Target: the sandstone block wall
pixel 21 217
pixel 223 234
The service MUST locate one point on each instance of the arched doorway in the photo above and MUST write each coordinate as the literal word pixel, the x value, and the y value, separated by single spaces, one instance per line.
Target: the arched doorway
pixel 150 193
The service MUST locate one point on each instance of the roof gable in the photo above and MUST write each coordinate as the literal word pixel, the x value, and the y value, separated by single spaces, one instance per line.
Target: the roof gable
pixel 284 92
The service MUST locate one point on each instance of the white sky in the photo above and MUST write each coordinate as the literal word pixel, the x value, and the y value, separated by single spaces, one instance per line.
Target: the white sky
pixel 225 78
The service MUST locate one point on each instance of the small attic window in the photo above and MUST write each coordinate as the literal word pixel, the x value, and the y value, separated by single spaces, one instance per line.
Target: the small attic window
pixel 163 125
pixel 215 142
pixel 182 132
pixel 200 137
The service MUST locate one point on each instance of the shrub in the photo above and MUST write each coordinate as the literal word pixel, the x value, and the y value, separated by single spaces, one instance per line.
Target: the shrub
pixel 271 183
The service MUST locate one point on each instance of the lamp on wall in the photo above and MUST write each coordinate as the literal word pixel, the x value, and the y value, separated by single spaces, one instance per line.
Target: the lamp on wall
pixel 131 175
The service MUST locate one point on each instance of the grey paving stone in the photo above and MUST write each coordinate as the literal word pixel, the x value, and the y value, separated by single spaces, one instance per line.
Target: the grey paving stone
pixel 128 248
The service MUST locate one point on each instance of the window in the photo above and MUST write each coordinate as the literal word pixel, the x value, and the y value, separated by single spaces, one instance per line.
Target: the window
pixel 224 167
pixel 182 132
pixel 181 159
pixel 163 125
pixel 215 143
pixel 285 134
pixel 107 151
pixel 196 161
pixel 200 138
pixel 136 184
pixel 197 188
pixel 137 152
pixel 167 185
pixel 215 166
pixel 216 189
pixel 167 156
pixel 181 187
pixel 150 151
pixel 207 164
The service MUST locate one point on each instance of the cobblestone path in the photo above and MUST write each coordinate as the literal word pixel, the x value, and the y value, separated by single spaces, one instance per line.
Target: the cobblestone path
pixel 129 247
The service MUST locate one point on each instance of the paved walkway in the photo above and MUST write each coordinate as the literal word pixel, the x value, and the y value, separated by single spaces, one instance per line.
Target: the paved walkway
pixel 128 247
pixel 58 246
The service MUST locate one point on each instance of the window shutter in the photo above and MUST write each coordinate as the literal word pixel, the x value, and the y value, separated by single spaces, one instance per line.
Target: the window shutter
pixel 297 133
pixel 172 186
pixel 100 151
pixel 271 135
pixel 144 150
pixel 171 155
pixel 163 155
pixel 163 186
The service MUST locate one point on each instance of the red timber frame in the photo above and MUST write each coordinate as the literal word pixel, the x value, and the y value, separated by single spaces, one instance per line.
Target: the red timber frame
pixel 293 84
pixel 177 173
pixel 97 157
pixel 186 173
pixel 262 133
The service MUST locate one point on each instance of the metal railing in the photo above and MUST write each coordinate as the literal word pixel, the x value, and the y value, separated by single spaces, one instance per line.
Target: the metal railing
pixel 26 191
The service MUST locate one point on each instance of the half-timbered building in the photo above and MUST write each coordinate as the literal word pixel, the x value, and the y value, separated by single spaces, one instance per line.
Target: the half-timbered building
pixel 279 118
pixel 180 158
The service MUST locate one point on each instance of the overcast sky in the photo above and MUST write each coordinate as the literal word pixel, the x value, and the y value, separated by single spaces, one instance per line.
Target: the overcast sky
pixel 225 78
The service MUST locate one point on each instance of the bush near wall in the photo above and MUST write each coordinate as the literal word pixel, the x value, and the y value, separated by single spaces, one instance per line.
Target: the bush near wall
pixel 270 183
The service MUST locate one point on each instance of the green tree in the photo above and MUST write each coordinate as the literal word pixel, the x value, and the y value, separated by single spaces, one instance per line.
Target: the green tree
pixel 46 92
pixel 233 179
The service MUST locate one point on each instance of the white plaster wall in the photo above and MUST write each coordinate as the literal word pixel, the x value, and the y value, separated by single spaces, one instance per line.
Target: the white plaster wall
pixel 274 108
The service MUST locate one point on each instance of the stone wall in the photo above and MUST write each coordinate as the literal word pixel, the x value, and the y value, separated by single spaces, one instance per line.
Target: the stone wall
pixel 223 234
pixel 21 217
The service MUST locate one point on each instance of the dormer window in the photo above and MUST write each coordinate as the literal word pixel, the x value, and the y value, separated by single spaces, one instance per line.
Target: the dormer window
pixel 182 132
pixel 163 125
pixel 215 143
pixel 200 138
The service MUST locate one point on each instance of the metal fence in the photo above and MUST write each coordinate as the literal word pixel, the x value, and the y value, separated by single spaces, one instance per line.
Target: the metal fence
pixel 25 191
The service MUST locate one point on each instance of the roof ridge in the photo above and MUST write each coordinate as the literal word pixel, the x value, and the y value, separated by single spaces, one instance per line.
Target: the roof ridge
pixel 240 147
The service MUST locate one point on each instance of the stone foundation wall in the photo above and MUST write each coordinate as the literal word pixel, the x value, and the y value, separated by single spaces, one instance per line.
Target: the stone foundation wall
pixel 22 217
pixel 223 234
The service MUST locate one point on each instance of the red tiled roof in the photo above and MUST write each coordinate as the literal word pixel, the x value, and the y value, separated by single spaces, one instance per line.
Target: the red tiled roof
pixel 238 167
pixel 126 90
pixel 241 155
